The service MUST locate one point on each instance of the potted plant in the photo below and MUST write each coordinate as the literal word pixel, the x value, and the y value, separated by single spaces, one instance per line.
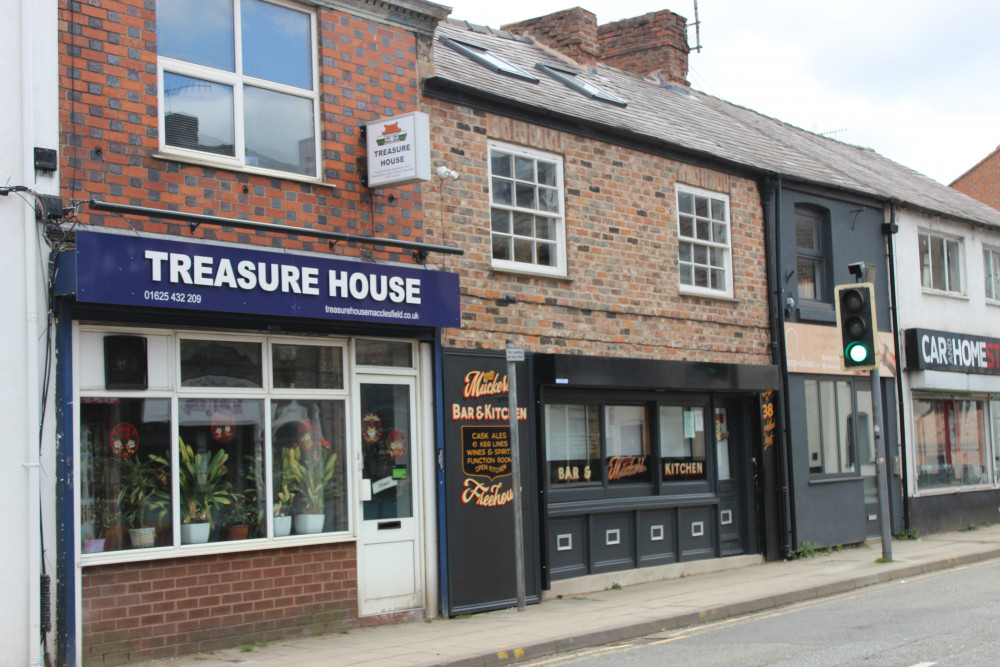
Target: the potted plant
pixel 142 489
pixel 242 516
pixel 311 481
pixel 205 488
pixel 101 519
pixel 283 495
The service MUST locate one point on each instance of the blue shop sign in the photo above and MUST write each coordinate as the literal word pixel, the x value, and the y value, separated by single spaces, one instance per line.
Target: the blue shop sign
pixel 141 271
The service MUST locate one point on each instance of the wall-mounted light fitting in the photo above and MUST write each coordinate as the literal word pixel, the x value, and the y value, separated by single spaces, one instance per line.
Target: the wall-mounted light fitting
pixel 444 172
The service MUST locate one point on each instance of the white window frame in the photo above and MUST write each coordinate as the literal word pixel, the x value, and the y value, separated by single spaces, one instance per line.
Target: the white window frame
pixel 726 247
pixel 266 393
pixel 237 80
pixel 946 238
pixel 992 287
pixel 559 269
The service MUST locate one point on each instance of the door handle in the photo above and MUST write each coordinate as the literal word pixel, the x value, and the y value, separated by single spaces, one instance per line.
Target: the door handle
pixel 385 525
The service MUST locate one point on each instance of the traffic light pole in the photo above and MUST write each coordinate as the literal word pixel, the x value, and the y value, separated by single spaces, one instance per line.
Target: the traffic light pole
pixel 881 471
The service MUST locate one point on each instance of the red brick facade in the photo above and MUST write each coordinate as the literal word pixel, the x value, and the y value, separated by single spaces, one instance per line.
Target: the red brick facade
pixel 109 134
pixel 982 182
pixel 136 611
pixel 621 295
pixel 108 150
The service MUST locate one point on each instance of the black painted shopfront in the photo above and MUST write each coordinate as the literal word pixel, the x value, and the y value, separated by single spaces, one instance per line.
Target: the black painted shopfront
pixel 645 463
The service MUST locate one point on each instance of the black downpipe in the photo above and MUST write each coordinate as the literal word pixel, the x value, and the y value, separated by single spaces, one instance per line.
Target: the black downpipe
pixel 770 190
pixel 890 231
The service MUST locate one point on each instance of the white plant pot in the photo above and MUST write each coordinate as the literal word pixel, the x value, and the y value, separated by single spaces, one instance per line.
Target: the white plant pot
pixel 142 538
pixel 307 524
pixel 195 533
pixel 282 526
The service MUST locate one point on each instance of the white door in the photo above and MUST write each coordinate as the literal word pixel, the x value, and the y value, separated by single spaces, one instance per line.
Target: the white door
pixel 389 556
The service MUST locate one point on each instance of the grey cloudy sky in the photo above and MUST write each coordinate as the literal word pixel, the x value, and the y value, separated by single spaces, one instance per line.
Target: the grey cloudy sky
pixel 916 80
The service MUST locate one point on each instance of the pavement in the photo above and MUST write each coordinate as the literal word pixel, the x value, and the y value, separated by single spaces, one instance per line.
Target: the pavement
pixel 628 605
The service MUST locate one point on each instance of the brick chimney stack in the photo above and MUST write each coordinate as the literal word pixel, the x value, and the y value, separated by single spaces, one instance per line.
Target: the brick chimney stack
pixel 653 44
pixel 571 31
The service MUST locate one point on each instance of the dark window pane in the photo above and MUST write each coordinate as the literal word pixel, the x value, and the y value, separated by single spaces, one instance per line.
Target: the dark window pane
pixel 523 224
pixel 524 168
pixel 687 226
pixel 524 251
pixel 545 228
pixel 548 200
pixel 500 220
pixel 502 192
pixel 546 173
pixel 501 247
pixel 701 207
pixel 307 366
pixel 500 164
pixel 546 254
pixel 685 202
pixel 209 363
pixel 198 114
pixel 392 353
pixel 526 196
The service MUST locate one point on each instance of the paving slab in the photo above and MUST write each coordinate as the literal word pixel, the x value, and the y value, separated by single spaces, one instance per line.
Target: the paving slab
pixel 583 618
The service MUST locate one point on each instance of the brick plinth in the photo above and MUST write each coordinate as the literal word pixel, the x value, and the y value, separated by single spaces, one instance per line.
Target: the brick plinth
pixel 137 611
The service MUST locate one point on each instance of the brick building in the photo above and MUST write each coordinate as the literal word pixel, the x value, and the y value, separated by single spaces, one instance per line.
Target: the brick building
pixel 219 346
pixel 982 181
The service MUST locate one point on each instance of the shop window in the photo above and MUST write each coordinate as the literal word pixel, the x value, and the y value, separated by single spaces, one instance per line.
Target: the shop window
pixel 682 443
pixel 237 84
pixel 573 444
pixel 949 437
pixel 704 252
pixel 526 210
pixel 838 426
pixel 236 461
pixel 991 272
pixel 626 443
pixel 940 263
pixel 124 473
pixel 810 259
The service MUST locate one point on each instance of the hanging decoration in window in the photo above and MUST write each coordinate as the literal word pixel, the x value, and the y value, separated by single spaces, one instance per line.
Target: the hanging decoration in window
pixel 223 426
pixel 371 428
pixel 124 440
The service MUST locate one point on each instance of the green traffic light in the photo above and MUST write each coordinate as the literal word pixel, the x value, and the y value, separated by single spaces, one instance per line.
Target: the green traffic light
pixel 856 353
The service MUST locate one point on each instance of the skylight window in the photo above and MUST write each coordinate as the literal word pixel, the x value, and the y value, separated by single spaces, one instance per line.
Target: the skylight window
pixel 580 84
pixel 487 59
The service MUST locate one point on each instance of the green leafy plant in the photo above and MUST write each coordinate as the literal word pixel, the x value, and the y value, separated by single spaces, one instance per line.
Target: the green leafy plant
pixel 143 485
pixel 205 485
pixel 806 550
pixel 243 511
pixel 311 478
pixel 283 479
pixel 908 534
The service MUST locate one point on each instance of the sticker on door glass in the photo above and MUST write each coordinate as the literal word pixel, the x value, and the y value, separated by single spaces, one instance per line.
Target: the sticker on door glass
pixel 395 444
pixel 371 428
pixel 223 426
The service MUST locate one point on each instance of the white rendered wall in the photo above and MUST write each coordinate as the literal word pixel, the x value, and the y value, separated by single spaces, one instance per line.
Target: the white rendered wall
pixel 29 117
pixel 968 313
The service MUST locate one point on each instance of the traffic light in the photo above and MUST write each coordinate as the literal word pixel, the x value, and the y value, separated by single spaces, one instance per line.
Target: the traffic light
pixel 858 326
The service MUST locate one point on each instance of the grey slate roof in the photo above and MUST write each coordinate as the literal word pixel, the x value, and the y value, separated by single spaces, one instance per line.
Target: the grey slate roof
pixel 682 119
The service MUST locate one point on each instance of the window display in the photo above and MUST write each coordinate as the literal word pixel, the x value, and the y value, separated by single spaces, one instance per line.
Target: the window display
pixel 250 446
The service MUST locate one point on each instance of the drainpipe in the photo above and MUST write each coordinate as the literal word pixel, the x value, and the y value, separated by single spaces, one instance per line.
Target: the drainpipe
pixel 889 230
pixel 33 384
pixel 771 189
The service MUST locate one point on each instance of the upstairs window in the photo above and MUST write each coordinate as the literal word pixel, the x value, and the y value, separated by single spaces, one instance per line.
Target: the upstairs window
pixel 810 257
pixel 704 254
pixel 991 272
pixel 238 84
pixel 526 210
pixel 940 263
